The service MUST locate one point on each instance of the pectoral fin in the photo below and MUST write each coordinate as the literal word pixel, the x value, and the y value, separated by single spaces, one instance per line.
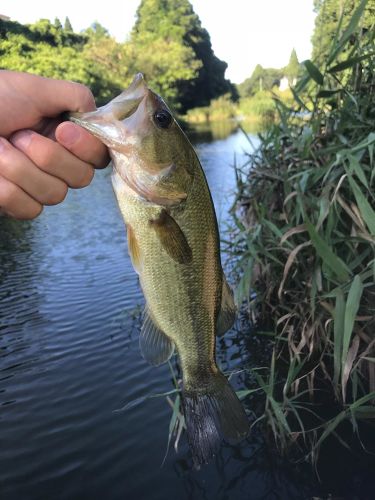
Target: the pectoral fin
pixel 156 347
pixel 172 238
pixel 227 313
pixel 133 248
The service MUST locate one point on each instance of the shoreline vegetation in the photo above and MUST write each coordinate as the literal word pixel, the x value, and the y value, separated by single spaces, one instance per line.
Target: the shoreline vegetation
pixel 258 108
pixel 305 250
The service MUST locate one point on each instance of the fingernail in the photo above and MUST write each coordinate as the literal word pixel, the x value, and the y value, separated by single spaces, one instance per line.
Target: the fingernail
pixel 68 134
pixel 21 139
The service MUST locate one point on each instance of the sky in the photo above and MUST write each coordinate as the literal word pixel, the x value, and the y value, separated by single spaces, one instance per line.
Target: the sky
pixel 243 33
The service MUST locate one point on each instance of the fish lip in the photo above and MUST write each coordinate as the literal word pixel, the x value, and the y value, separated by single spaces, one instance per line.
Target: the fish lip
pixel 91 127
pixel 126 103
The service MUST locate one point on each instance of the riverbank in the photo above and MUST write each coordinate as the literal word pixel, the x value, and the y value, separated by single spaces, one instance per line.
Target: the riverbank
pixel 258 110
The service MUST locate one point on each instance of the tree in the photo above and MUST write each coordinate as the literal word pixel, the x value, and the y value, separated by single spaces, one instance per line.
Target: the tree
pixel 57 23
pixel 260 79
pixel 329 13
pixel 199 74
pixel 46 49
pixel 67 24
pixel 292 70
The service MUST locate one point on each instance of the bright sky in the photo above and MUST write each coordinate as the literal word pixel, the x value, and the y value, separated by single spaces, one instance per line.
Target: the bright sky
pixel 243 32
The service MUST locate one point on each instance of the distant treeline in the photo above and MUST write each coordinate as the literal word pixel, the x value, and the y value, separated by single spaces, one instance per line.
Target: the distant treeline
pixel 167 43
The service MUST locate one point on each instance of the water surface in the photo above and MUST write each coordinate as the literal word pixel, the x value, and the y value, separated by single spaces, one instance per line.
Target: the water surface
pixel 69 303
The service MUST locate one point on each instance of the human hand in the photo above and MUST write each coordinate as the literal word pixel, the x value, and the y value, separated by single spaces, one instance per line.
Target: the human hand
pixel 41 156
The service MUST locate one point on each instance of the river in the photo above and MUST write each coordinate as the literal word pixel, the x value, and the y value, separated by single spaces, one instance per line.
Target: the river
pixel 69 357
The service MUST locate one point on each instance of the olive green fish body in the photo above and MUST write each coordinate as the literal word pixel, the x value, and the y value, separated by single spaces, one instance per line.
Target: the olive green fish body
pixel 184 299
pixel 173 243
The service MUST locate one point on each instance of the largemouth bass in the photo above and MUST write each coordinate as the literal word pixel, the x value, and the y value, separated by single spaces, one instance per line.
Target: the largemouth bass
pixel 173 242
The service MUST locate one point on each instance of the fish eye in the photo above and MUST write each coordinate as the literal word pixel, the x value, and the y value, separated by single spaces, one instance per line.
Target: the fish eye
pixel 162 118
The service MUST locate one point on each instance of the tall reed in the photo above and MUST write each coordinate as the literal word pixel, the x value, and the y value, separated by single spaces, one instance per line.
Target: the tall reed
pixel 305 219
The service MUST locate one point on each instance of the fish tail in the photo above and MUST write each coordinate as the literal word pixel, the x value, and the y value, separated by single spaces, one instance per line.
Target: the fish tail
pixel 213 413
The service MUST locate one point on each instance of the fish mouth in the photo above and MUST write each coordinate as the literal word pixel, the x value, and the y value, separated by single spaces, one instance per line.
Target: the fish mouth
pixel 102 122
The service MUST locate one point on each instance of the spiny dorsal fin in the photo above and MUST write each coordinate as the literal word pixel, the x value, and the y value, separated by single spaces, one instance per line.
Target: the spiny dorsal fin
pixel 172 238
pixel 227 313
pixel 133 248
pixel 156 347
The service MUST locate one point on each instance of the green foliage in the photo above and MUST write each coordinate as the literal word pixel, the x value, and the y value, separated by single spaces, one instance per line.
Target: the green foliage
pixel 173 26
pixel 293 69
pixel 222 108
pixel 306 245
pixel 261 79
pixel 67 25
pixel 49 50
pixel 261 104
pixel 333 17
pixel 168 44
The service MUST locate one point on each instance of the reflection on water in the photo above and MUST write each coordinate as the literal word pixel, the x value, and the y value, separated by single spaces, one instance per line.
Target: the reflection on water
pixel 69 356
pixel 214 131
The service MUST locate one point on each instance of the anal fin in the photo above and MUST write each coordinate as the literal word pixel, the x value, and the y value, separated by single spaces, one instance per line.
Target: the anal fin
pixel 156 347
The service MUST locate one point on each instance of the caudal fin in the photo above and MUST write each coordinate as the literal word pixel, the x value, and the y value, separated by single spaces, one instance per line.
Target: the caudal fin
pixel 213 413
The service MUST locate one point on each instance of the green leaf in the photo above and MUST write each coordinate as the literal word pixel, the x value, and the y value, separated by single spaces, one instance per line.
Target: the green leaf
pixel 298 99
pixel 279 414
pixel 331 426
pixel 327 93
pixel 301 84
pixel 367 213
pixel 356 166
pixel 349 63
pixel 354 20
pixel 351 309
pixel 328 256
pixel 314 72
pixel 338 333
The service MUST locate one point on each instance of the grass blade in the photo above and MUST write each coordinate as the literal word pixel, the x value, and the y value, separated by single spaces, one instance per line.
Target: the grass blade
pixel 367 213
pixel 338 334
pixel 349 63
pixel 324 251
pixel 314 72
pixel 351 309
pixel 349 30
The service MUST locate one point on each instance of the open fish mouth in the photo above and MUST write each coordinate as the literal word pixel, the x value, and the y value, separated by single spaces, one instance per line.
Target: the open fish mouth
pixel 100 122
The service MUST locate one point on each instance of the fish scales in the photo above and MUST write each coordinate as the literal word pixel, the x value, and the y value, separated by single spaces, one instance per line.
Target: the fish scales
pixel 190 299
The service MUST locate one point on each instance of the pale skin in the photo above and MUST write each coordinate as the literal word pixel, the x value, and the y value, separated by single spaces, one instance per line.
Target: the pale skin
pixel 41 157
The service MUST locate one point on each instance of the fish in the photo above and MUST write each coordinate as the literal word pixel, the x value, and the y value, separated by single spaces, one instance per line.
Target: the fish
pixel 174 246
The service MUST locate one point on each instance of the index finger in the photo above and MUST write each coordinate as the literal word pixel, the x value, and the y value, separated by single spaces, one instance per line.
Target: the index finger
pixel 49 96
pixel 29 100
pixel 82 144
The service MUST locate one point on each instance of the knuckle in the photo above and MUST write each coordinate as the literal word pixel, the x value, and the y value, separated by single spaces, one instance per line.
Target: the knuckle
pixel 44 157
pixel 85 97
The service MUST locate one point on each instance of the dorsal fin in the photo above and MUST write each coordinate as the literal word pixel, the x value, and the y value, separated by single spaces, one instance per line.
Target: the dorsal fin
pixel 156 347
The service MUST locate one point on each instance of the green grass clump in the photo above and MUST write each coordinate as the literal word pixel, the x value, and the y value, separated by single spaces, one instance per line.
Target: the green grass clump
pixel 222 108
pixel 305 216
